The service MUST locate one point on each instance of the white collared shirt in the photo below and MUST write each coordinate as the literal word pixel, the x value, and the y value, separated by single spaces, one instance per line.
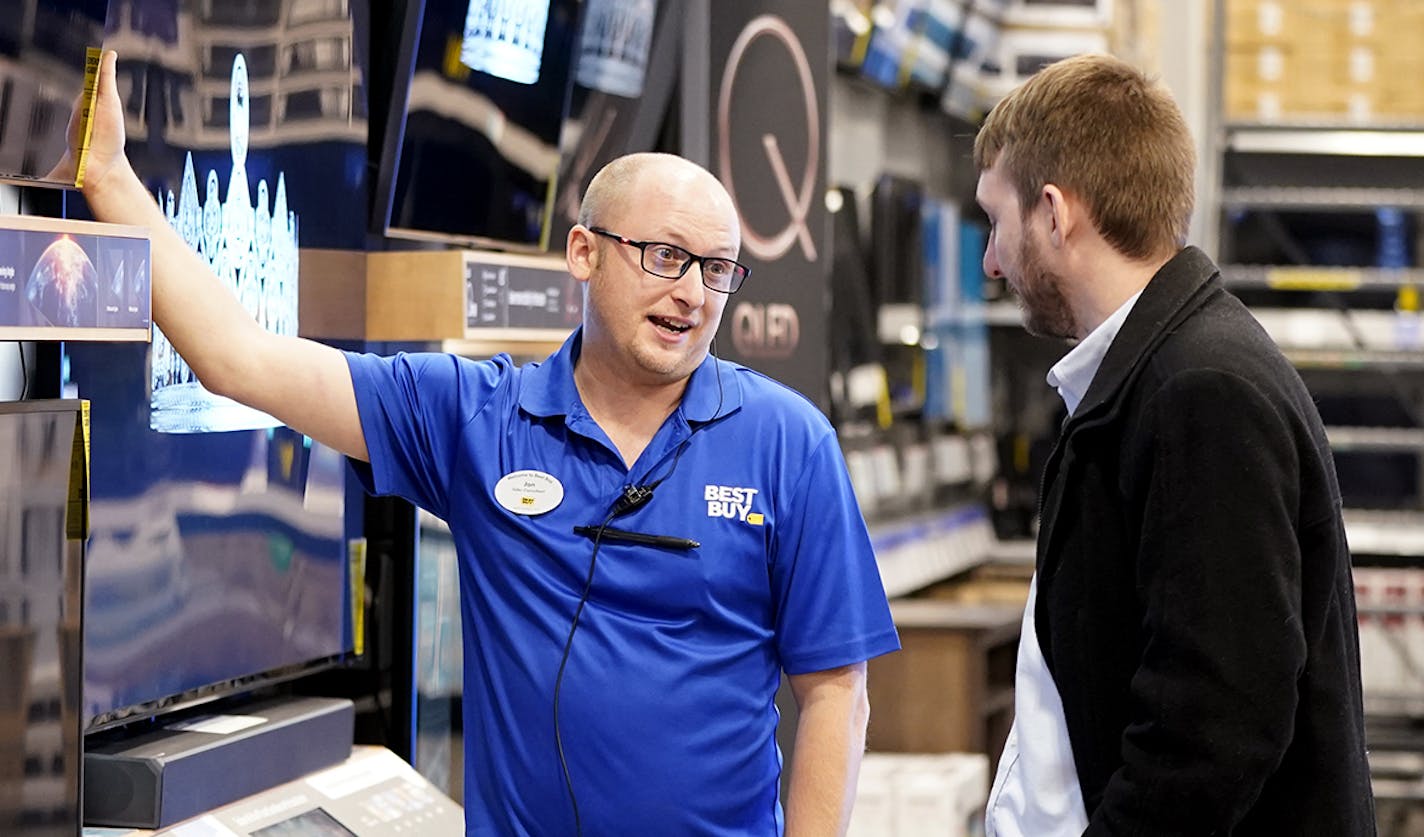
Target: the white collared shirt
pixel 1036 791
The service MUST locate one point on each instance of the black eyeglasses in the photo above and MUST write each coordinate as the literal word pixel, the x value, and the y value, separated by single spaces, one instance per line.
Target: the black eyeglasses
pixel 671 261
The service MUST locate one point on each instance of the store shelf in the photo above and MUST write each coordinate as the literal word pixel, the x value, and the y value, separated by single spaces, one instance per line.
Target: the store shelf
pixel 919 551
pixel 1346 359
pixel 1382 141
pixel 1376 439
pixel 1294 278
pixel 1003 313
pixel 1387 705
pixel 1387 610
pixel 1395 762
pixel 1385 533
pixel 1331 199
pixel 1022 551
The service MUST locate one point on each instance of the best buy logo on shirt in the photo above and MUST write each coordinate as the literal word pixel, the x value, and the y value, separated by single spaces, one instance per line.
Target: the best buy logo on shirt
pixel 732 502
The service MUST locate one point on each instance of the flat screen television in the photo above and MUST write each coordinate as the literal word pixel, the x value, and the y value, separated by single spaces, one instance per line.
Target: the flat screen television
pixel 218 554
pixel 42 53
pixel 471 152
pixel 216 560
pixel 41 577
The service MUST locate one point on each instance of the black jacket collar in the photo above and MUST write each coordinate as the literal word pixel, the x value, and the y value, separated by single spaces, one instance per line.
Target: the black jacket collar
pixel 1169 294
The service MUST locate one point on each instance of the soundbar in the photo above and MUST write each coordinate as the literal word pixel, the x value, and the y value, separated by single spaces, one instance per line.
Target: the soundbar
pixel 159 777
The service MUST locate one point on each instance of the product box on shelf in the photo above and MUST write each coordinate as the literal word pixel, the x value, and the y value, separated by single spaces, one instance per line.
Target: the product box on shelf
pixel 910 794
pixel 979 41
pixel 1023 52
pixel 1350 61
pixel 1091 14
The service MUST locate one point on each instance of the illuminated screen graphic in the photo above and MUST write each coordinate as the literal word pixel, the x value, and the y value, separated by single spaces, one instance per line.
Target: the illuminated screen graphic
pixel 54 280
pixel 613 48
pixel 217 559
pixel 505 38
pixel 253 249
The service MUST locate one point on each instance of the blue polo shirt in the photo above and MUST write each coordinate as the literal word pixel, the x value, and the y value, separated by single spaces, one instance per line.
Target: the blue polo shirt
pixel 666 709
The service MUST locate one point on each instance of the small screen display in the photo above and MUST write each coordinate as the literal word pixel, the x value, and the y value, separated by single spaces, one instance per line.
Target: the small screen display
pixel 313 823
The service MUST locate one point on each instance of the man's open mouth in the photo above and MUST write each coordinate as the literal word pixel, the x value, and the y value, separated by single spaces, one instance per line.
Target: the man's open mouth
pixel 669 325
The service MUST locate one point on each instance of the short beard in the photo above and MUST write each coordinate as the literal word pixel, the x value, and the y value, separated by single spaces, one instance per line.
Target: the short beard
pixel 1040 290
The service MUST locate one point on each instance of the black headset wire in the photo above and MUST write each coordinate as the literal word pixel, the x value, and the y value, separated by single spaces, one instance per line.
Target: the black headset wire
pixel 563 663
pixel 618 508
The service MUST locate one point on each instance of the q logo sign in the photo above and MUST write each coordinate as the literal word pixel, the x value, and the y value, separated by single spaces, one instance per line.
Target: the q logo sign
pixel 797 198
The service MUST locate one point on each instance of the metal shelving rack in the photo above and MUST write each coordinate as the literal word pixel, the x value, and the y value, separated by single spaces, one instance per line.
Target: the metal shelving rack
pixel 1298 166
pixel 1262 173
pixel 1319 278
pixel 1376 438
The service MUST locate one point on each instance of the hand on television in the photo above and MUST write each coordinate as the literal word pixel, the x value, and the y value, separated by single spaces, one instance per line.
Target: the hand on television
pixel 106 138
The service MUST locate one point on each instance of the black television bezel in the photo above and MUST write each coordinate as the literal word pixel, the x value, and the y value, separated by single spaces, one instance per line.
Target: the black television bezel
pixel 119 718
pixel 383 188
pixel 70 586
pixel 124 716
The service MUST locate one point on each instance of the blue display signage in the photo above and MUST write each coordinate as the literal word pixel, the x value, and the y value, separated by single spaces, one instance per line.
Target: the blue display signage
pixel 72 281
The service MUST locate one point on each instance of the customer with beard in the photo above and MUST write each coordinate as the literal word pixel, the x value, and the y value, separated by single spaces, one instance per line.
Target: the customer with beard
pixel 1189 662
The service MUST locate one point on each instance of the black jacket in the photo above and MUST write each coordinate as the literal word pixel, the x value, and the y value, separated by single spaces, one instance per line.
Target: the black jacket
pixel 1195 602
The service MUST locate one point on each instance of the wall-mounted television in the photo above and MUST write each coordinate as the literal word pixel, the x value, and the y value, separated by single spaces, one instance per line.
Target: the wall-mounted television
pixel 218 555
pixel 215 561
pixel 471 151
pixel 629 55
pixel 248 123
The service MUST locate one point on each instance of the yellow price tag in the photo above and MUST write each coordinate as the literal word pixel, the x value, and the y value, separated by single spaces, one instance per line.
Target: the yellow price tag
pixel 76 519
pixel 92 57
pixel 356 568
pixel 1313 279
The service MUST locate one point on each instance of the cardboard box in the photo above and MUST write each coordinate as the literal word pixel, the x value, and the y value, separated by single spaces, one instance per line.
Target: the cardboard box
pixel 950 687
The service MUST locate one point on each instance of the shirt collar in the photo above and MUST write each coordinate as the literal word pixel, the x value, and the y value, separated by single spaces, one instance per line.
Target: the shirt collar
pixel 548 387
pixel 1072 374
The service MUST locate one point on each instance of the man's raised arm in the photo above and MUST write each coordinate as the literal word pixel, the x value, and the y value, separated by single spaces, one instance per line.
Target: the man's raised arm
pixel 302 383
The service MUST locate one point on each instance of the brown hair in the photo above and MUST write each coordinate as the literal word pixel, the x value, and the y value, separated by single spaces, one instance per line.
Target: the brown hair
pixel 1096 127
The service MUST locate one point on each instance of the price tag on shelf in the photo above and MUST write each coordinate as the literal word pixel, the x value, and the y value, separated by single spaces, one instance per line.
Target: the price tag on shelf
pixel 1313 279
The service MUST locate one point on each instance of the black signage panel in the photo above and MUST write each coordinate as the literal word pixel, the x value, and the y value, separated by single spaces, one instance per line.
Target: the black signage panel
pixel 770 62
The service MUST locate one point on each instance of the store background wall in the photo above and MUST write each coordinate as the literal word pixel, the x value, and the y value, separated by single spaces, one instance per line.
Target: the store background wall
pixel 1187 73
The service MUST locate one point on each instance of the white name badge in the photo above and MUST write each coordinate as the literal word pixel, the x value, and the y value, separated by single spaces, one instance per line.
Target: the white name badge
pixel 529 492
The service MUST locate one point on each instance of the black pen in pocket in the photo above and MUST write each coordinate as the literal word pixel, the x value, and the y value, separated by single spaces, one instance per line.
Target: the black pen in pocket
pixel 611 534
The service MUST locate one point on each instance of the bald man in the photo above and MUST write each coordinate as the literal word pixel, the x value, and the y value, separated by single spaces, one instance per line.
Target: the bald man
pixel 648 536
